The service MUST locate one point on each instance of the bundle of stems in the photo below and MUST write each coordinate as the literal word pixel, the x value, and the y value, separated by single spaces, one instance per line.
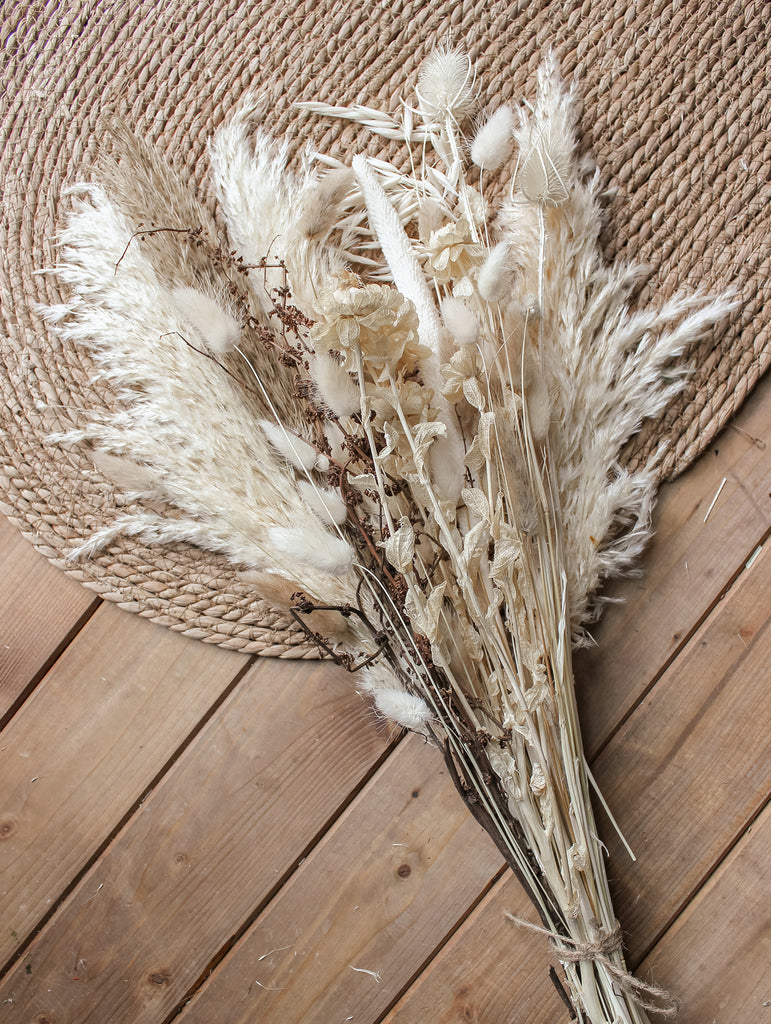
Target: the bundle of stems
pixel 401 411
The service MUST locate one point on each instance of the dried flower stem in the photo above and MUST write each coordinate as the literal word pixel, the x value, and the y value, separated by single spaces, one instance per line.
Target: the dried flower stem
pixel 418 455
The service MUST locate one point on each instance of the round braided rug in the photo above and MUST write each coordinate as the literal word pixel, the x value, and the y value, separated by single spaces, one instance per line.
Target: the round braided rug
pixel 676 114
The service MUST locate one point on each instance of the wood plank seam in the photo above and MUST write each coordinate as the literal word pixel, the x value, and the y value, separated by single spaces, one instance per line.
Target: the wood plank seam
pixel 732 910
pixel 740 838
pixel 126 818
pixel 48 664
pixel 461 920
pixel 684 641
pixel 728 840
pixel 282 773
pixel 732 841
pixel 391 785
pixel 285 876
pixel 753 811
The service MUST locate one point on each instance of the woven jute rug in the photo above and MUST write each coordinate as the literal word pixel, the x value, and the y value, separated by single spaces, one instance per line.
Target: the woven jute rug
pixel 676 114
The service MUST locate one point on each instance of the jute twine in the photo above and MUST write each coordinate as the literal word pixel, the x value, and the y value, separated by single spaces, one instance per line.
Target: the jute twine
pixel 676 113
pixel 600 950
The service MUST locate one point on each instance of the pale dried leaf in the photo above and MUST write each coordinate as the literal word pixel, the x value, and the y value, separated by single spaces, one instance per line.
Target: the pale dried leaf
pixel 476 502
pixel 423 436
pixel 400 546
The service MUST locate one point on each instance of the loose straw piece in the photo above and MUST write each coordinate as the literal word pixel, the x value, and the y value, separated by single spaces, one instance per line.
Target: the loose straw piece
pixel 714 500
pixel 600 950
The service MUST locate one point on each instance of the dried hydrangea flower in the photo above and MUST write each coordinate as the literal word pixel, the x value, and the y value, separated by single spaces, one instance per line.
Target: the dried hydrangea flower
pixel 451 252
pixel 375 318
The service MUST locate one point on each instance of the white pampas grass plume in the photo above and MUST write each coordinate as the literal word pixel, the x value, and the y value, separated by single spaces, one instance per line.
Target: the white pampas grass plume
pixel 175 407
pixel 127 475
pixel 294 449
pixel 321 204
pixel 326 503
pixel 279 592
pixel 494 140
pixel 315 548
pixel 338 391
pixel 460 321
pixel 218 330
pixel 406 709
pixel 446 84
pixel 264 205
pixel 493 281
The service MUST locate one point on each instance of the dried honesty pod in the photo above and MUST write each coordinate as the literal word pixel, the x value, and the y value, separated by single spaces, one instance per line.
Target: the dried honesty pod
pixel 400 412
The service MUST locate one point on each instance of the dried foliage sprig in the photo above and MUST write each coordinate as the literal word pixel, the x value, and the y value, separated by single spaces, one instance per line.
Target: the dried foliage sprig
pixel 402 412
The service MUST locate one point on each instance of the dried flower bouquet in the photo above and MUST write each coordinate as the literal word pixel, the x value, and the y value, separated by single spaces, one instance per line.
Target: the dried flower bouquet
pixel 401 412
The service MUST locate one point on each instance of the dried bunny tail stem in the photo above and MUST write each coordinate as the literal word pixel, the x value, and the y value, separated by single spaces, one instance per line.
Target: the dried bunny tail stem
pixel 410 281
pixel 316 548
pixel 338 392
pixel 406 709
pixel 460 321
pixel 494 140
pixel 494 279
pixel 217 328
pixel 326 503
pixel 295 450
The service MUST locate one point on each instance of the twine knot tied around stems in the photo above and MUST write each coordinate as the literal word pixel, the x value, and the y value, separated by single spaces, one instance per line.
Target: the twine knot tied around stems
pixel 600 948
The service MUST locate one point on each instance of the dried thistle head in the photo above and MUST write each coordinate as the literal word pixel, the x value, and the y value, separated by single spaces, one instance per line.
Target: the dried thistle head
pixel 445 86
pixel 544 175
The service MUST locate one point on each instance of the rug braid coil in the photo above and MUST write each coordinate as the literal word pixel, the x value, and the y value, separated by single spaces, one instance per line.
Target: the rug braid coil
pixel 676 113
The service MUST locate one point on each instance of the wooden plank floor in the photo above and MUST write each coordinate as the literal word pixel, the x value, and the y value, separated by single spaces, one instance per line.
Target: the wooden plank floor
pixel 187 834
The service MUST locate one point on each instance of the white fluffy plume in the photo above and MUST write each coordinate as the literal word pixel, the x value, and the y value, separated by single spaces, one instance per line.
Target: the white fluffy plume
pixel 429 449
pixel 607 368
pixel 192 434
pixel 273 212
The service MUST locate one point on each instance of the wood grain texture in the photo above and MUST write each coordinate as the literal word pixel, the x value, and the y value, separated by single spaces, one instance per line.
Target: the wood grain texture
pixel 489 972
pixel 682 776
pixel 379 894
pixel 40 607
pixel 693 764
pixel 203 852
pixel 86 744
pixel 717 955
pixel 140 900
pixel 688 564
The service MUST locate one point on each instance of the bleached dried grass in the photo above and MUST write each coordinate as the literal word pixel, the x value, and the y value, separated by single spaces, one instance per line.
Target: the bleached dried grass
pixel 419 427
